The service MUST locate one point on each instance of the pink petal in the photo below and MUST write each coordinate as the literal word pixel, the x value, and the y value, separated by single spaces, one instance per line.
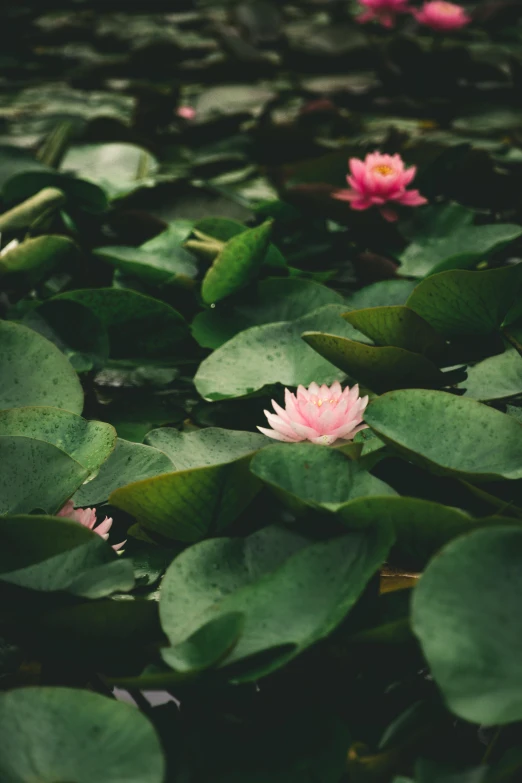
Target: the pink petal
pixel 104 527
pixel 411 198
pixel 277 435
pixel 389 214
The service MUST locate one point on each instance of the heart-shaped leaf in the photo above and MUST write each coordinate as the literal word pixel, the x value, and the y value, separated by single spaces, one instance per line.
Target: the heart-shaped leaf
pixel 55 734
pixel 463 610
pixel 138 325
pixel 88 442
pixel 160 260
pixel 34 372
pixel 52 554
pixel 460 302
pixel 36 475
pixel 290 592
pixel 128 463
pixel 191 503
pixel 379 368
pixel 273 353
pixel 316 475
pixel 495 378
pixel 400 327
pixel 449 434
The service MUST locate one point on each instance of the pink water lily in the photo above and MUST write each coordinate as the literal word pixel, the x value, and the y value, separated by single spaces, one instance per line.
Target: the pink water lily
pixel 320 414
pixel 186 112
pixel 441 15
pixel 87 518
pixel 379 179
pixel 383 11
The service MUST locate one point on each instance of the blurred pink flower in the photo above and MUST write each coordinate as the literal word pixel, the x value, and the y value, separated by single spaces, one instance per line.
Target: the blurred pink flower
pixel 187 112
pixel 440 15
pixel 320 414
pixel 377 180
pixel 383 11
pixel 87 518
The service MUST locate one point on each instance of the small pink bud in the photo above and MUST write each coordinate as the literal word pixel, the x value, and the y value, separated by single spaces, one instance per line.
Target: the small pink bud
pixel 440 15
pixel 87 518
pixel 378 180
pixel 187 112
pixel 320 414
pixel 382 11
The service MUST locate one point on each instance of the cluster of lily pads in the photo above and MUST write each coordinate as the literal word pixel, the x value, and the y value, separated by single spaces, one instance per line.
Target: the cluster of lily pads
pixel 260 435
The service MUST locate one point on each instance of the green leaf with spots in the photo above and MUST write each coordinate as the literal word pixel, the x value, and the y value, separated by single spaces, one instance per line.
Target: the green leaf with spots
pixel 36 475
pixel 34 372
pixel 211 484
pixel 277 299
pixel 236 264
pixel 467 303
pixel 449 434
pixel 88 442
pixel 400 327
pixel 421 527
pixel 51 554
pixel 464 614
pixel 52 734
pixel 211 446
pixel 444 238
pixel 495 378
pixel 380 368
pixel 272 353
pixel 138 325
pixel 303 474
pixel 291 592
pixel 128 463
pixel 160 260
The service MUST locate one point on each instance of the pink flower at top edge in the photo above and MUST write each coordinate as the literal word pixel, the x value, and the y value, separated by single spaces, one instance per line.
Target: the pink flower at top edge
pixel 377 180
pixel 383 11
pixel 441 15
pixel 87 518
pixel 320 414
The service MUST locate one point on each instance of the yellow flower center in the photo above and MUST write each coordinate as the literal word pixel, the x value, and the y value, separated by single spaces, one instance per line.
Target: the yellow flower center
pixel 384 169
pixel 447 8
pixel 320 402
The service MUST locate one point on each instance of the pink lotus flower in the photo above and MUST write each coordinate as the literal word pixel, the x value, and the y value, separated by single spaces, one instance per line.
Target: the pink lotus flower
pixel 87 518
pixel 186 112
pixel 440 15
pixel 321 414
pixel 378 179
pixel 383 11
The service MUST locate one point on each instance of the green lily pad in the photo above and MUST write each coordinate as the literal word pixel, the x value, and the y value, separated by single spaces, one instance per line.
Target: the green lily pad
pixel 192 502
pixel 128 463
pixel 117 168
pixel 34 372
pixel 138 325
pixel 74 329
pixel 449 434
pixel 463 610
pixel 88 442
pixel 291 593
pixel 472 303
pixel 316 475
pixel 159 260
pixel 272 353
pixel 64 734
pixel 400 327
pixel 421 527
pixel 211 446
pixel 444 238
pixel 380 368
pixel 36 475
pixel 278 299
pixel 495 378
